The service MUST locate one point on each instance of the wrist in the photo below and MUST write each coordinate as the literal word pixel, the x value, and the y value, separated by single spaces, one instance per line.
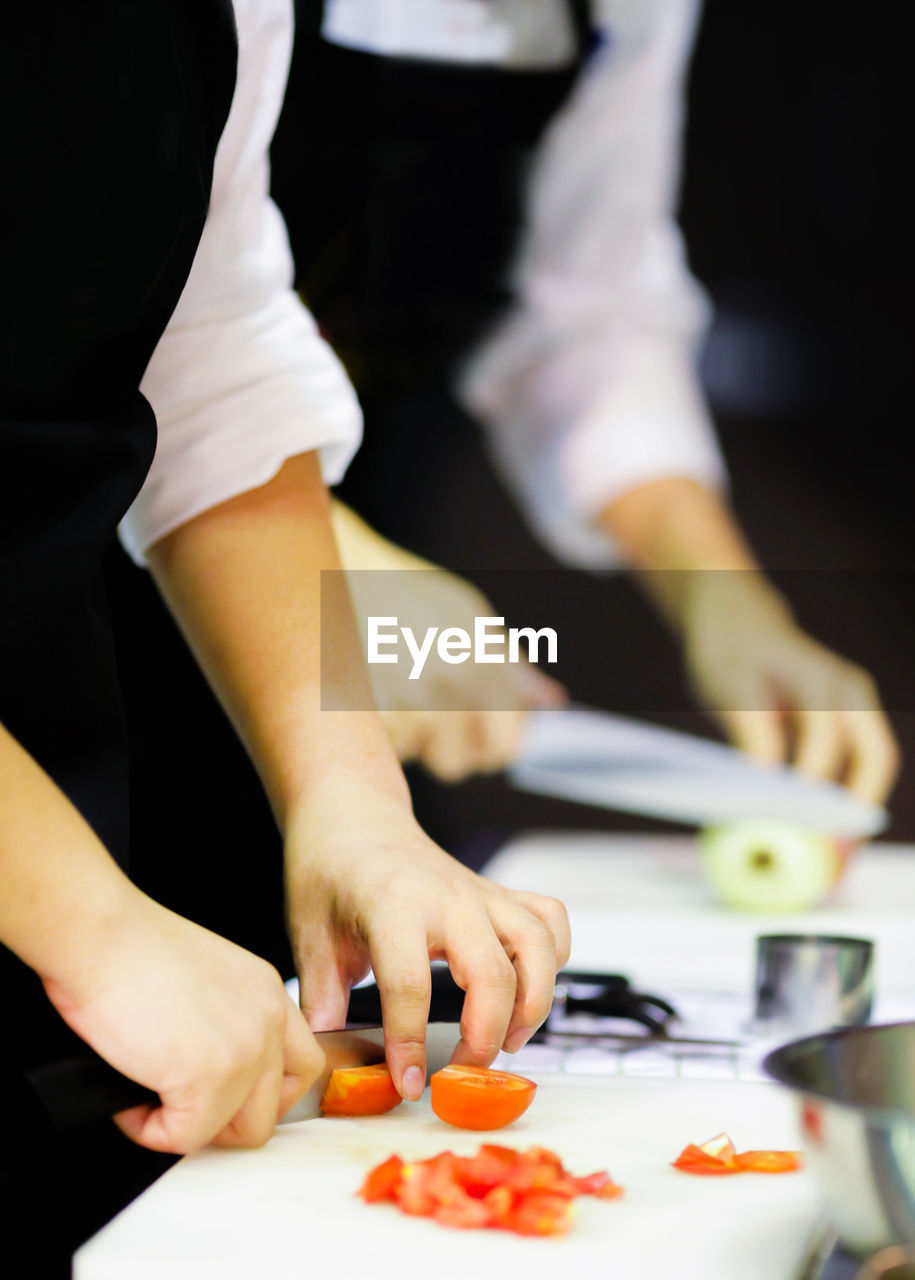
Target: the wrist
pixel 739 599
pixel 355 770
pixel 89 948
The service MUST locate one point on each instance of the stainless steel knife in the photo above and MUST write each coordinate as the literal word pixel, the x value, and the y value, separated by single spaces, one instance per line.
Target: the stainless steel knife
pixel 594 757
pixel 75 1092
pixel 360 1047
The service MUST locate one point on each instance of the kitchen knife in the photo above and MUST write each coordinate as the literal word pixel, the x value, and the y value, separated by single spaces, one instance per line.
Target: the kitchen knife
pixel 598 758
pixel 361 1046
pixel 76 1092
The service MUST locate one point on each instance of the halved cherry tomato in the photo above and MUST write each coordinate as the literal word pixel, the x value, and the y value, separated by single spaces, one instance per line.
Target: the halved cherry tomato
pixel 360 1091
pixel 479 1098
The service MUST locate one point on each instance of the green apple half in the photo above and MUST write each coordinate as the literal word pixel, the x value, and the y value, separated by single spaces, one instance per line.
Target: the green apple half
pixel 769 866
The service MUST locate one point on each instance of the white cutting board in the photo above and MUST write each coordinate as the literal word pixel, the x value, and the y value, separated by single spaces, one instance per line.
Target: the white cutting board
pixel 289 1210
pixel 640 905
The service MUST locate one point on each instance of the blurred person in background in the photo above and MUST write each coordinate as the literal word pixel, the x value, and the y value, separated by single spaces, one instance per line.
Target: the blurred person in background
pixel 487 209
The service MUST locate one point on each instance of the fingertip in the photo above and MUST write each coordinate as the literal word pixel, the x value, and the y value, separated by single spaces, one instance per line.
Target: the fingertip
pixel 412 1084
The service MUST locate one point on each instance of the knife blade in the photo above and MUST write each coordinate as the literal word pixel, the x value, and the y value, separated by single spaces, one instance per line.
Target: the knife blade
pixel 598 758
pixel 362 1046
pixel 76 1092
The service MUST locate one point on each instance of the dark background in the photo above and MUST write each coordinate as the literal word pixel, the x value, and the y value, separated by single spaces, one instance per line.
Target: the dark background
pixel 797 216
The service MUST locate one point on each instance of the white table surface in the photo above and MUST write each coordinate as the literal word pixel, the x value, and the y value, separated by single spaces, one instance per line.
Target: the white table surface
pixel 638 904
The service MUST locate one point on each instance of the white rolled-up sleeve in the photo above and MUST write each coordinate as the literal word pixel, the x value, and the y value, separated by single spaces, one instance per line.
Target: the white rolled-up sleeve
pixel 241 380
pixel 589 386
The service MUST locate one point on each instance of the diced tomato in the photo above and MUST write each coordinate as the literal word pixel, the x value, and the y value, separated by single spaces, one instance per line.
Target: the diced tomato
pixel 381 1181
pixel 528 1192
pixel 463 1211
pixel 479 1098
pixel 360 1091
pixel 499 1201
pixel 721 1147
pixel 598 1184
pixel 489 1168
pixel 542 1214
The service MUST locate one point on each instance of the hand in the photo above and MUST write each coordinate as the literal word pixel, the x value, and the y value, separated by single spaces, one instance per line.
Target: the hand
pixel 779 694
pixel 459 719
pixel 203 1023
pixel 367 889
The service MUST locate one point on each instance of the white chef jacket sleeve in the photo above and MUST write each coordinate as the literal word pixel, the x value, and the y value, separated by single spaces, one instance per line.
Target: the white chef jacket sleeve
pixel 241 380
pixel 589 387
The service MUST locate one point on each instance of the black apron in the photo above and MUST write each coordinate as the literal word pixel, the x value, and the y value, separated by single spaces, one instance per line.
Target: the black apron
pixel 402 184
pixel 112 111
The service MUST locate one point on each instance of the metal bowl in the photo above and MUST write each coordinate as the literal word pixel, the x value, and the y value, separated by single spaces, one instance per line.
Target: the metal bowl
pixel 856 1090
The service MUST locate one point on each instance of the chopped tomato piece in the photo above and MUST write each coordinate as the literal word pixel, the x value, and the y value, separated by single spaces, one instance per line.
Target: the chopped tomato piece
pixel 382 1180
pixel 769 1161
pixel 598 1184
pixel 479 1098
pixel 718 1156
pixel 360 1091
pixel 542 1214
pixel 721 1147
pixel 489 1168
pixel 528 1192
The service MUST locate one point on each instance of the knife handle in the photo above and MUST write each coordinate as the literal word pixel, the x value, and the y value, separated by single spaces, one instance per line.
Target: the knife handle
pixel 74 1093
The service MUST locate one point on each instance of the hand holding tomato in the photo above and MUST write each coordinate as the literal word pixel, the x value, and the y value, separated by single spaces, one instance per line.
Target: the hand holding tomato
pixel 393 901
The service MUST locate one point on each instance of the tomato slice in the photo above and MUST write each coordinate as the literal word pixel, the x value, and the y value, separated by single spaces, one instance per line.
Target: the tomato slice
pixel 769 1161
pixel 715 1157
pixel 360 1091
pixel 718 1156
pixel 479 1098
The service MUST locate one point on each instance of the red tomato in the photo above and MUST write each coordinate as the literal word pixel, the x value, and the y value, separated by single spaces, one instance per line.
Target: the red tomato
pixel 542 1214
pixel 718 1156
pixel 478 1098
pixel 598 1184
pixel 528 1192
pixel 382 1180
pixel 360 1091
pixel 769 1161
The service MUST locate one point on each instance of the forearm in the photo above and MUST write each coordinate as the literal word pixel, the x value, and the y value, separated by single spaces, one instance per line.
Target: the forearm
pixel 61 893
pixel 244 582
pixel 673 531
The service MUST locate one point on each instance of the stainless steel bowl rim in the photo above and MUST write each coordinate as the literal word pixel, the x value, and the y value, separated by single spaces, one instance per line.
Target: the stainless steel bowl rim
pixel 877 1114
